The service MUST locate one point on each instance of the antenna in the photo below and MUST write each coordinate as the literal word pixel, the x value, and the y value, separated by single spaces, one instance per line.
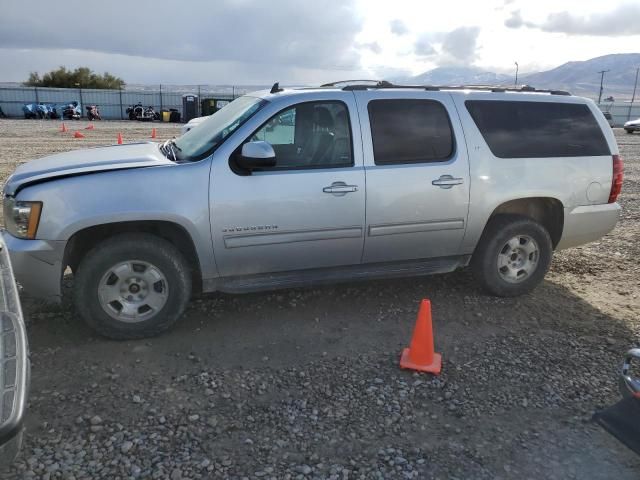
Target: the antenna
pixel 276 88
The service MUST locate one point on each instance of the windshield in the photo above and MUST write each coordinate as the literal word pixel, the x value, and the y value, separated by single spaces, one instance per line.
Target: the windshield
pixel 204 138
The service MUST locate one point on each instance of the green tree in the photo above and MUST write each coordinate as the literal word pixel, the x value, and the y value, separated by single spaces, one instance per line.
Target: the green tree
pixel 80 77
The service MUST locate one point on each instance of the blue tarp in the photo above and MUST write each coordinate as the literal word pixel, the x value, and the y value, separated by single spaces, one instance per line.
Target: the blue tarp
pixel 49 110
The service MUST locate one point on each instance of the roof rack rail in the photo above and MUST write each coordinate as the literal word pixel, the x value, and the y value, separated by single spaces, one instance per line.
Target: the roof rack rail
pixel 431 88
pixel 375 83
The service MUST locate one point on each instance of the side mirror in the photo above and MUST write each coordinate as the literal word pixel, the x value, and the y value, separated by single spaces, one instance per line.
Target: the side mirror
pixel 256 155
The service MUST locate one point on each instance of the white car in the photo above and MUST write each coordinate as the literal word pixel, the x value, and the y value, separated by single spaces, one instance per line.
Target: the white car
pixel 632 125
pixel 192 123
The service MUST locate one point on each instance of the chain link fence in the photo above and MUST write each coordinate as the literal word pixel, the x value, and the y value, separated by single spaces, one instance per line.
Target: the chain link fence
pixel 621 112
pixel 113 103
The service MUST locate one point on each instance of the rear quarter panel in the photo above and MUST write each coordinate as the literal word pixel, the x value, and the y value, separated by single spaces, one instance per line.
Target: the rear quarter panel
pixel 495 181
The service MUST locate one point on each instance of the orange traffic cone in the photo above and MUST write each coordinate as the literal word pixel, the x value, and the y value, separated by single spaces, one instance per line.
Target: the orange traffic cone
pixel 153 133
pixel 78 135
pixel 420 355
pixel 89 127
pixel 119 138
pixel 64 128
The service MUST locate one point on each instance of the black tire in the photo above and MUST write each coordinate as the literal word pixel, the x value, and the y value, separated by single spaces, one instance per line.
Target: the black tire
pixel 628 131
pixel 498 232
pixel 121 248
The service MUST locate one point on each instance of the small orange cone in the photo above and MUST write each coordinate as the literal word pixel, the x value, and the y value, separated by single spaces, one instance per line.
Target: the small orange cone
pixel 153 133
pixel 78 135
pixel 420 355
pixel 64 128
pixel 89 127
pixel 119 138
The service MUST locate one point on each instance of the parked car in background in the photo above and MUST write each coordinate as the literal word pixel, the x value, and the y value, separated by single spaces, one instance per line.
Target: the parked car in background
pixel 632 125
pixel 294 187
pixel 14 363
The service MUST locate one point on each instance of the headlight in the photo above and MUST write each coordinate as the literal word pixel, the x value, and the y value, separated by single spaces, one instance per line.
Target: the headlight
pixel 22 218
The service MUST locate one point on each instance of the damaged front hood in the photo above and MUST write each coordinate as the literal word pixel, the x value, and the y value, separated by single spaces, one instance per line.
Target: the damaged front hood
pixel 81 162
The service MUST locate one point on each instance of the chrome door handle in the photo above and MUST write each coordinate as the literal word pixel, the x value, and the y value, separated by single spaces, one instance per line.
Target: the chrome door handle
pixel 447 181
pixel 340 188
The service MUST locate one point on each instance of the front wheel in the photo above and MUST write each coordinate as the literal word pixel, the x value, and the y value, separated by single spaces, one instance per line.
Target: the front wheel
pixel 513 255
pixel 132 286
pixel 628 131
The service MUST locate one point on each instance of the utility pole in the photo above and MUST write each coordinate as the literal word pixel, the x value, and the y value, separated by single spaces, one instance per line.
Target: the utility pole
pixel 601 72
pixel 633 97
pixel 515 83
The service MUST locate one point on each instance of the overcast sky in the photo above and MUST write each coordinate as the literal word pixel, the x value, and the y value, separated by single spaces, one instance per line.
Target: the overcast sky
pixel 295 41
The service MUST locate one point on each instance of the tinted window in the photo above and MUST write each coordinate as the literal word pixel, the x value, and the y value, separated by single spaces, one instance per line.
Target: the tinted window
pixel 410 131
pixel 309 135
pixel 538 129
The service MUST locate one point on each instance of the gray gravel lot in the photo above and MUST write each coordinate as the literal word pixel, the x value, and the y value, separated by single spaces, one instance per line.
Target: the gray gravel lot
pixel 303 384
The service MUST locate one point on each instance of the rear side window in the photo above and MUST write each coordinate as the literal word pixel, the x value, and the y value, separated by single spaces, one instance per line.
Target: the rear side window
pixel 410 131
pixel 538 129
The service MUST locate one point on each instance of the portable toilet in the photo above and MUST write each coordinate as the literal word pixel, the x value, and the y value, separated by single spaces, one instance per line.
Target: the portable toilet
pixel 189 107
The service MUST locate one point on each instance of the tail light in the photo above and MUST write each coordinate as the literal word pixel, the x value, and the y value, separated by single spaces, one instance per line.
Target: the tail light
pixel 616 180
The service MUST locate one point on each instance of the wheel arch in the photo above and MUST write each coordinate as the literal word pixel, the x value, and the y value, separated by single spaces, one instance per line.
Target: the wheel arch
pixel 85 239
pixel 547 211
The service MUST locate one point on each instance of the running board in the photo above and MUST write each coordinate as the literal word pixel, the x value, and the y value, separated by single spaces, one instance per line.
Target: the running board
pixel 309 278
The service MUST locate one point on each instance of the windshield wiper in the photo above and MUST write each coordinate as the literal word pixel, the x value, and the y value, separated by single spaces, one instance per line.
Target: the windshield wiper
pixel 168 148
pixel 173 142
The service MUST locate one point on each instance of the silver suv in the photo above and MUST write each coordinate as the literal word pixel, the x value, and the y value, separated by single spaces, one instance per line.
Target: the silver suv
pixel 294 187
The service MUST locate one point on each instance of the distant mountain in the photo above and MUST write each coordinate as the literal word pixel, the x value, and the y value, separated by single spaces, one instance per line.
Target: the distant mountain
pixel 458 76
pixel 581 78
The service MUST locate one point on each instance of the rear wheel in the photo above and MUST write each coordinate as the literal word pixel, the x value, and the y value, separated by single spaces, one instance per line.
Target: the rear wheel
pixel 132 286
pixel 512 256
pixel 628 131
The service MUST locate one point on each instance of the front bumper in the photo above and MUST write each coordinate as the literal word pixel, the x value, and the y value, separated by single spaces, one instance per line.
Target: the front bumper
pixel 587 223
pixel 37 265
pixel 633 128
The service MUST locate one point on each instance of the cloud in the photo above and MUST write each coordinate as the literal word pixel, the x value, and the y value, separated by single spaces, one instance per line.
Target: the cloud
pixel 515 20
pixel 372 46
pixel 155 71
pixel 398 27
pixel 291 33
pixel 621 21
pixel 460 46
pixel 423 47
pixel 393 74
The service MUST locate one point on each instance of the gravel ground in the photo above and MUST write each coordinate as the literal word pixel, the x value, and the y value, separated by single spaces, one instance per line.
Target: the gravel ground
pixel 303 384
